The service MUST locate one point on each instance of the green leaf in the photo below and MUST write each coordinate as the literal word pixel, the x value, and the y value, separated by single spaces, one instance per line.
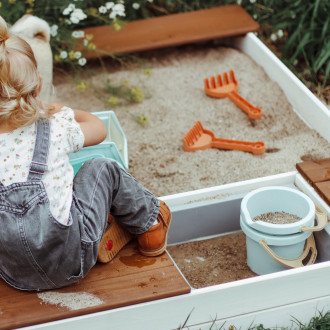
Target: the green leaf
pixel 305 40
pixel 314 16
pixel 323 57
pixel 326 76
pixel 325 29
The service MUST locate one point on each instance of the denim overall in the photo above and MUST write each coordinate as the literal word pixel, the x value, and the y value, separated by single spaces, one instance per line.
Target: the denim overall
pixel 36 251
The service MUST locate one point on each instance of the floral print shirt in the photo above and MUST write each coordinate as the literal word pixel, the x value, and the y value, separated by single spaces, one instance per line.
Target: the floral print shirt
pixel 16 152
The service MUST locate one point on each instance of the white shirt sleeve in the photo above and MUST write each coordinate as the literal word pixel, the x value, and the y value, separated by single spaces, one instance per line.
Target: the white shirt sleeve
pixel 75 136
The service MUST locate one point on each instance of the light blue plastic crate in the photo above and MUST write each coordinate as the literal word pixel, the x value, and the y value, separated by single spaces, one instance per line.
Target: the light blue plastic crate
pixel 114 146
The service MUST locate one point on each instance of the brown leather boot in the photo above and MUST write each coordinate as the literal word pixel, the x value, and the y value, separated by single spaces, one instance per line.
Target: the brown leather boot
pixel 113 240
pixel 153 242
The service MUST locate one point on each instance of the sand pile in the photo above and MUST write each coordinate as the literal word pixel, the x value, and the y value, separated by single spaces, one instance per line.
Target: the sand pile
pixel 174 100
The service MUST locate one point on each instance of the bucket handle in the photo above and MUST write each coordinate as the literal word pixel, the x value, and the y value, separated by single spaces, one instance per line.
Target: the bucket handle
pixel 298 262
pixel 321 219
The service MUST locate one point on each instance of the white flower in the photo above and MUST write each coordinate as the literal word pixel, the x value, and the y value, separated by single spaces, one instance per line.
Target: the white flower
pixel 82 61
pixel 109 5
pixel 273 37
pixel 119 7
pixel 78 34
pixel 239 2
pixel 78 55
pixel 136 5
pixel 102 9
pixel 253 1
pixel 53 30
pixel 77 15
pixel 63 54
pixel 117 10
pixel 85 42
pixel 67 11
pixel 151 1
pixel 74 19
pixel 280 33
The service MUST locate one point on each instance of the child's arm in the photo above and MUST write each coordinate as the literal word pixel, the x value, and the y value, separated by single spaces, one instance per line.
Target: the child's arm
pixel 93 128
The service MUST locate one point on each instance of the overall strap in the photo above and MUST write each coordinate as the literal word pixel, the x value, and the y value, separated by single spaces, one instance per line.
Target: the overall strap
pixel 40 154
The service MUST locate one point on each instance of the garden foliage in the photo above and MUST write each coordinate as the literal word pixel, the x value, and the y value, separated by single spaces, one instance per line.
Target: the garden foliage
pixel 299 29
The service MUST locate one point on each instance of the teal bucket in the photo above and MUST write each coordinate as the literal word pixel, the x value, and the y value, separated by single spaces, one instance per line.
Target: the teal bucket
pixel 276 247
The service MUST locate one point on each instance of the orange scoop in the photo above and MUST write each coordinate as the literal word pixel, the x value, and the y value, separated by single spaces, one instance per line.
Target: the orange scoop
pixel 199 138
pixel 228 87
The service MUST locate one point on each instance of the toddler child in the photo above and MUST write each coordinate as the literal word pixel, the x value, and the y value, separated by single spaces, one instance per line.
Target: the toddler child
pixel 51 224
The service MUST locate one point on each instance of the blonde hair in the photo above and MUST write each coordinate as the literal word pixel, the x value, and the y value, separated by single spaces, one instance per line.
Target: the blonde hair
pixel 20 82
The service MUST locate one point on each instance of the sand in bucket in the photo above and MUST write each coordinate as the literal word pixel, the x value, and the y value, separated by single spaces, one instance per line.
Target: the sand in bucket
pixel 279 218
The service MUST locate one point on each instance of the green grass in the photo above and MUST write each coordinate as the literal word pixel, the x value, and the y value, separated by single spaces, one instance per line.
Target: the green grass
pixel 319 322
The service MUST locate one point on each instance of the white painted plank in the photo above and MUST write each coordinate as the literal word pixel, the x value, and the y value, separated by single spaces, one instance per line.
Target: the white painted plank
pixel 286 316
pixel 228 189
pixel 304 102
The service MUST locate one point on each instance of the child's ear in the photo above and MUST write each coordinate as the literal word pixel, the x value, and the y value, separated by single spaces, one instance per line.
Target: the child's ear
pixel 37 92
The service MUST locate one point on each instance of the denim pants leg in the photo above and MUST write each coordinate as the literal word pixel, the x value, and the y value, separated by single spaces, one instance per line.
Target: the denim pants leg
pixel 101 187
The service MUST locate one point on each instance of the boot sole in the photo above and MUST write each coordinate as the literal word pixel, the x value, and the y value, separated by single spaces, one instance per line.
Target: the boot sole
pixel 155 253
pixel 118 236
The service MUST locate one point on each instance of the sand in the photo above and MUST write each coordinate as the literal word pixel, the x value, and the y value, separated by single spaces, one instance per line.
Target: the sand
pixel 72 301
pixel 174 100
pixel 214 261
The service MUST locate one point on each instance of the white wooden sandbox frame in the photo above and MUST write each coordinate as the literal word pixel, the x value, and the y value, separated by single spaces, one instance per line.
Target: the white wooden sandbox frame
pixel 273 300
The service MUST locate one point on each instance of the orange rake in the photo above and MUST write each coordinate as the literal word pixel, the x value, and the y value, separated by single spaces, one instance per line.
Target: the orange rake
pixel 199 138
pixel 228 87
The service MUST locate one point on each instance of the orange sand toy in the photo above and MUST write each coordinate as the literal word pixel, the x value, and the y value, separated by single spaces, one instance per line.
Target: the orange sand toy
pixel 228 88
pixel 199 138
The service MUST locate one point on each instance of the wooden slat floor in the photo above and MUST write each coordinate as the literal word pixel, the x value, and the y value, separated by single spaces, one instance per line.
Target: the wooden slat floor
pixel 173 30
pixel 129 279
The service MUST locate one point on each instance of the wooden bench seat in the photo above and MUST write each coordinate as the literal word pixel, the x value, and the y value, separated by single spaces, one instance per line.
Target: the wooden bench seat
pixel 173 30
pixel 129 279
pixel 317 174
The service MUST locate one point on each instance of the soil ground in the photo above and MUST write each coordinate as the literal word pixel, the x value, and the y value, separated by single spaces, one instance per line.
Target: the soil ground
pixel 214 261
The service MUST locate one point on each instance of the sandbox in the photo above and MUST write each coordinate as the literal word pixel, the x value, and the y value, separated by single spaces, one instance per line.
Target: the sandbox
pixel 269 299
